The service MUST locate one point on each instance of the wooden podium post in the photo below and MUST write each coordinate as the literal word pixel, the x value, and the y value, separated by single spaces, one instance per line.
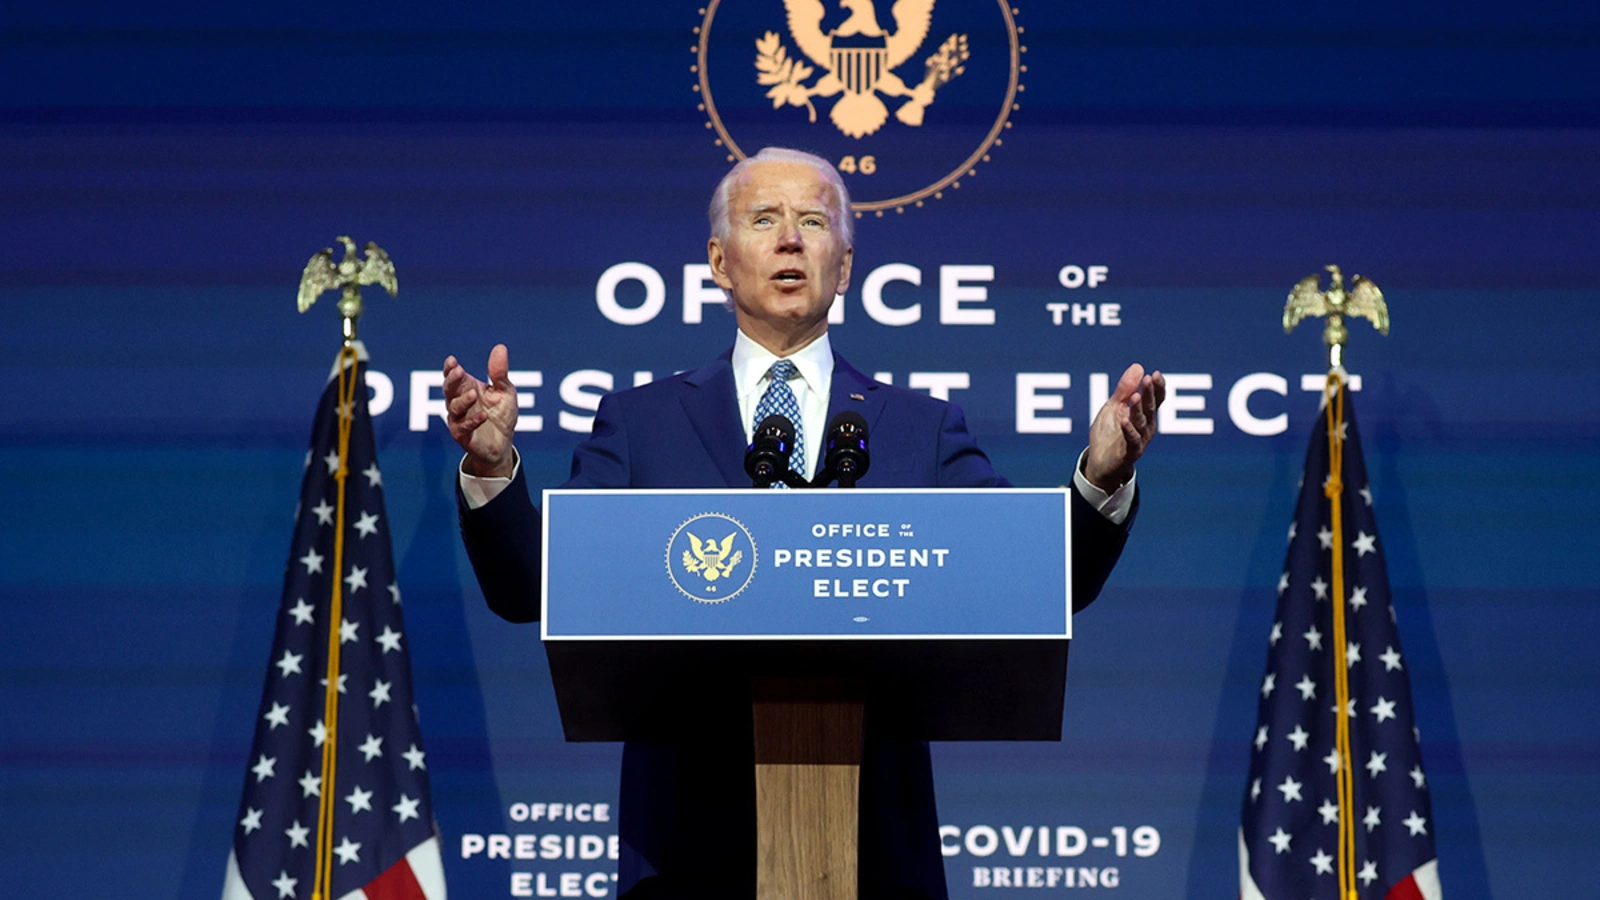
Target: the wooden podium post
pixel 808 791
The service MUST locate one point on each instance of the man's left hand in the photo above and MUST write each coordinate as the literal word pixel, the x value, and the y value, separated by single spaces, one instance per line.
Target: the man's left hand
pixel 1123 428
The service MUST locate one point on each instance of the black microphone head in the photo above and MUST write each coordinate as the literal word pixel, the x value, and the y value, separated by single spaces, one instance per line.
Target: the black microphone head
pixel 851 420
pixel 846 457
pixel 767 459
pixel 781 428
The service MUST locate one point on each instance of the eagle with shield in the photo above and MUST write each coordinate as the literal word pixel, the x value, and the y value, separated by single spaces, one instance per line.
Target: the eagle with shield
pixel 710 559
pixel 858 59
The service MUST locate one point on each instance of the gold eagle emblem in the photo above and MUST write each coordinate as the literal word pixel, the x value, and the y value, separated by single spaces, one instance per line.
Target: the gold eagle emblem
pixel 858 60
pixel 347 275
pixel 1336 303
pixel 711 560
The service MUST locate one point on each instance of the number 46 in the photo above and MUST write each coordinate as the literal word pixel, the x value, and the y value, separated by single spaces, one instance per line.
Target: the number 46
pixel 866 165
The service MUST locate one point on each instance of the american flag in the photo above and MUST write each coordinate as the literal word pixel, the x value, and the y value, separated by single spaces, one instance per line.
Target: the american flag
pixel 384 840
pixel 1289 838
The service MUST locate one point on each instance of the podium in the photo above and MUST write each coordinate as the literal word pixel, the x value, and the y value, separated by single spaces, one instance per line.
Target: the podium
pixel 939 615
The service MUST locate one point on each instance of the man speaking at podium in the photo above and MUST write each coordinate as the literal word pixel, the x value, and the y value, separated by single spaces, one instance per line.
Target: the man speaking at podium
pixel 781 248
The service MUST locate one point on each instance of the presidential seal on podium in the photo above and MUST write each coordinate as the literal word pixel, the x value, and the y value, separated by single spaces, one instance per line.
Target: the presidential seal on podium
pixel 711 558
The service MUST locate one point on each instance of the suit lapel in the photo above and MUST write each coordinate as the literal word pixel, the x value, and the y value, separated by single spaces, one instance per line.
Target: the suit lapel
pixel 853 390
pixel 712 405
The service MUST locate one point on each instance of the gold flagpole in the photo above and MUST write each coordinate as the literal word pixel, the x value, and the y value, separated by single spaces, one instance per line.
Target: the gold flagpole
pixel 322 274
pixel 1362 299
pixel 1333 400
pixel 330 703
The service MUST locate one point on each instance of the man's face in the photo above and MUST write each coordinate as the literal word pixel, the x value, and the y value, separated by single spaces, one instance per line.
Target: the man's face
pixel 783 259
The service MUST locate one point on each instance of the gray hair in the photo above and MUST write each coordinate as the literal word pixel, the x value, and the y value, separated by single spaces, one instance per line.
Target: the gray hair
pixel 844 220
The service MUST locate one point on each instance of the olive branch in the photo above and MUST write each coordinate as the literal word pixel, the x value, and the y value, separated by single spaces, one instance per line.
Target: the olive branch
pixel 775 68
pixel 946 62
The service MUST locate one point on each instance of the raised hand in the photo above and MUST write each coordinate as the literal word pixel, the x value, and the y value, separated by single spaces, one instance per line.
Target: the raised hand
pixel 1123 428
pixel 482 415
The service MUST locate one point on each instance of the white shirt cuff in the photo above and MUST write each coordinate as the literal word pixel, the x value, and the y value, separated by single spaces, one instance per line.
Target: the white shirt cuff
pixel 479 490
pixel 1115 506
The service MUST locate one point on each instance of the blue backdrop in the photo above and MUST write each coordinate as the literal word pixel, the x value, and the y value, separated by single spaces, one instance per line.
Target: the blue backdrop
pixel 164 173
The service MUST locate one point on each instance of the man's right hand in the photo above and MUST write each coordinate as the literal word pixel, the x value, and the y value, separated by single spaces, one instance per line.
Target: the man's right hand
pixel 482 416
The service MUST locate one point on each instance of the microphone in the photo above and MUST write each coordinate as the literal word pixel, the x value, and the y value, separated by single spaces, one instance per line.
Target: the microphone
pixel 846 456
pixel 767 459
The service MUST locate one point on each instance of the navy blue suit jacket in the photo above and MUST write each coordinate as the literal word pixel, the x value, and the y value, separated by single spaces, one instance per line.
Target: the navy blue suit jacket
pixel 687 816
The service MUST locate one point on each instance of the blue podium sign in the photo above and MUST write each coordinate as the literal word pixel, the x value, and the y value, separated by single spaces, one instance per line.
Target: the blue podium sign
pixel 807 565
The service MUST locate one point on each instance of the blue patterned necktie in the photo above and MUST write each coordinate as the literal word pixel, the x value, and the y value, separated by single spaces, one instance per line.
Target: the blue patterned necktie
pixel 779 400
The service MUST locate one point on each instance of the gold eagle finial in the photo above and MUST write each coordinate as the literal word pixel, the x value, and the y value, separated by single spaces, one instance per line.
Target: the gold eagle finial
pixel 347 275
pixel 1362 299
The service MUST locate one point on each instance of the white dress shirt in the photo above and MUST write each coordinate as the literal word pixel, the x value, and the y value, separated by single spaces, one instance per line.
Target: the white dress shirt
pixel 813 362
